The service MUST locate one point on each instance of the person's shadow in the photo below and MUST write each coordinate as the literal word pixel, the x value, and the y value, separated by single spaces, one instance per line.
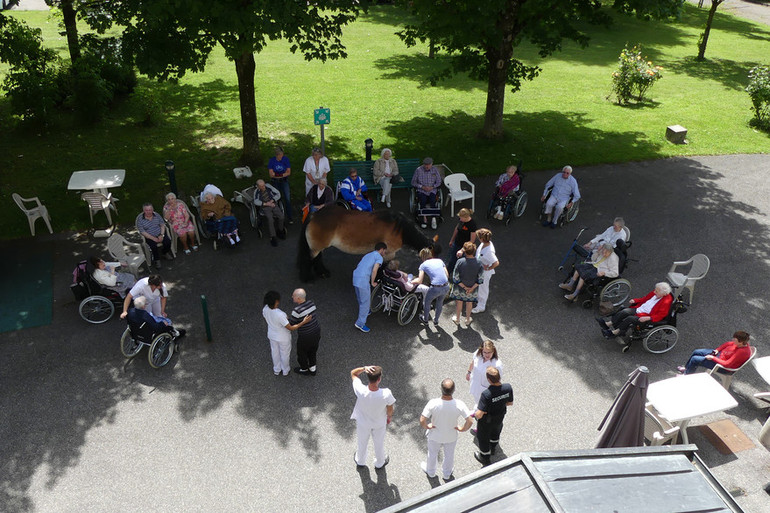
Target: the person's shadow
pixel 377 494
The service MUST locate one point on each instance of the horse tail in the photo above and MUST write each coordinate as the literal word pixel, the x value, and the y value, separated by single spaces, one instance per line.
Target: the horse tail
pixel 304 261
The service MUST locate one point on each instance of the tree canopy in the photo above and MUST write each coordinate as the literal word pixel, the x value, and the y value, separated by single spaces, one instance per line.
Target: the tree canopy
pixel 481 36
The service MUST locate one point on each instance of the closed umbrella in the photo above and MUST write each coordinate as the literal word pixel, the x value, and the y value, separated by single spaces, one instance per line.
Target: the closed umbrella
pixel 623 426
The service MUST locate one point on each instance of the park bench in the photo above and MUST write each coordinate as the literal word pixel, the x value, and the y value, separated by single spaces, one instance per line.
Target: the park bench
pixel 341 170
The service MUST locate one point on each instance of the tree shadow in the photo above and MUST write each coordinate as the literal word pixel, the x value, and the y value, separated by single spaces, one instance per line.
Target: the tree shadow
pixel 730 74
pixel 419 68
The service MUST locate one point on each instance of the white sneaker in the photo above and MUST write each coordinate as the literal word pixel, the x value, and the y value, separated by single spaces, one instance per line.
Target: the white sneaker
pixel 433 223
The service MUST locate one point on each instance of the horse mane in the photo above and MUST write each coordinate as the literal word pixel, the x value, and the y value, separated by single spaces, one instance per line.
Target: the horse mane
pixel 410 235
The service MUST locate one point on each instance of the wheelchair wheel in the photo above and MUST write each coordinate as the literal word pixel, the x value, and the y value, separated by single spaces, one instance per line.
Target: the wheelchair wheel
pixel 96 309
pixel 342 203
pixel 160 350
pixel 376 302
pixel 408 309
pixel 660 339
pixel 128 346
pixel 412 200
pixel 616 292
pixel 253 216
pixel 572 213
pixel 521 204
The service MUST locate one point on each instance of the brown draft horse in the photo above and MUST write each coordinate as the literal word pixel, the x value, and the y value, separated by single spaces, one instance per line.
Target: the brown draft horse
pixel 354 232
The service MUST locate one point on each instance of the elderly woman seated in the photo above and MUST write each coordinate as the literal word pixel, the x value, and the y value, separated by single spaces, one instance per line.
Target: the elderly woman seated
pixel 176 213
pixel 216 212
pixel 614 235
pixel 107 276
pixel 654 307
pixel 603 264
pixel 320 195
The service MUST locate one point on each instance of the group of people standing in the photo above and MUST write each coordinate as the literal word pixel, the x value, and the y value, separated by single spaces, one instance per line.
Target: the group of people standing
pixel 443 417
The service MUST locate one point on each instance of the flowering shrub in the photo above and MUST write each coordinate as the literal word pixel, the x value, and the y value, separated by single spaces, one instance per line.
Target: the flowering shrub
pixel 634 76
pixel 759 91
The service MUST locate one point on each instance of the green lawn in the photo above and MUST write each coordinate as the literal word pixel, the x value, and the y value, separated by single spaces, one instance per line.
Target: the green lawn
pixel 381 91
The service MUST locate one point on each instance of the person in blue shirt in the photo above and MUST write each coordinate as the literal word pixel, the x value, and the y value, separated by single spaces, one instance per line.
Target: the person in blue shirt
pixel 352 189
pixel 565 189
pixel 280 170
pixel 363 281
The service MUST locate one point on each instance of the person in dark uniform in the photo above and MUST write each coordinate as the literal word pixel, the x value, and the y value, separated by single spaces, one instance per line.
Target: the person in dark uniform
pixel 308 335
pixel 490 413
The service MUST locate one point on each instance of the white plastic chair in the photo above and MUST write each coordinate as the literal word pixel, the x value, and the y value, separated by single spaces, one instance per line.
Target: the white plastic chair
pixel 116 246
pixel 727 378
pixel 454 183
pixel 99 202
pixel 700 266
pixel 33 213
pixel 657 429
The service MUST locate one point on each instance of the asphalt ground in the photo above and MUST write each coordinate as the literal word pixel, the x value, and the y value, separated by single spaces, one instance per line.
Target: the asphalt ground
pixel 84 429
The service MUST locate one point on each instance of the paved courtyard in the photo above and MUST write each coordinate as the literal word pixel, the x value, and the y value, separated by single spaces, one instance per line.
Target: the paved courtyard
pixel 83 429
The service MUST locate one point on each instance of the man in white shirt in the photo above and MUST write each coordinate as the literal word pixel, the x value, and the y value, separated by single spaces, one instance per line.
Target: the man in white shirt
pixel 372 413
pixel 439 418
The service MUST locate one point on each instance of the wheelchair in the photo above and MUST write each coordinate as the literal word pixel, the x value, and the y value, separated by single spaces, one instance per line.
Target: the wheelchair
pixel 390 296
pixel 340 201
pixel 162 345
pixel 513 205
pixel 97 303
pixel 429 212
pixel 658 337
pixel 567 215
pixel 613 290
pixel 257 217
pixel 210 228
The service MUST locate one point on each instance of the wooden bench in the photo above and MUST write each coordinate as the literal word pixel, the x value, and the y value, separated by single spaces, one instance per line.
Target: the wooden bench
pixel 341 170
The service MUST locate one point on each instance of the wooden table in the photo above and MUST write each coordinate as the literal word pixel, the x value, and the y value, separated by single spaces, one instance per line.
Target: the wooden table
pixel 682 398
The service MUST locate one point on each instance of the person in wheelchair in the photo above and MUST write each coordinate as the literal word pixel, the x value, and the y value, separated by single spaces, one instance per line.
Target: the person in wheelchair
pixel 564 192
pixel 353 190
pixel 508 183
pixel 320 195
pixel 614 235
pixel 267 201
pixel 603 264
pixel 654 307
pixel 427 181
pixel 109 277
pixel 138 318
pixel 403 280
pixel 217 214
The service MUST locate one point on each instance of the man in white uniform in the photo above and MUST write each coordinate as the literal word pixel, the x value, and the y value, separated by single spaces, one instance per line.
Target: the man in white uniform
pixel 439 418
pixel 372 413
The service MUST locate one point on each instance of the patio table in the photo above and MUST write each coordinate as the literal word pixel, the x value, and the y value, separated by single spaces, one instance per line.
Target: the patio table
pixel 97 180
pixel 682 398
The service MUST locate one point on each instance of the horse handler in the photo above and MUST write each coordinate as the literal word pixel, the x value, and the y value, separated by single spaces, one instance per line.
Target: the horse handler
pixel 364 279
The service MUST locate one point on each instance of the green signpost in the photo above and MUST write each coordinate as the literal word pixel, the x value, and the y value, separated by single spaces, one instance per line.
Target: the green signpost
pixel 322 117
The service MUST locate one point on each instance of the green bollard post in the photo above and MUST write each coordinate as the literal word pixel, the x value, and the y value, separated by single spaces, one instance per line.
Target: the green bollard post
pixel 205 306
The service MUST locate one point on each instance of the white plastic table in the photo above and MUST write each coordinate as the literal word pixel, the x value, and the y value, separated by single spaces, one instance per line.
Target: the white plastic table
pixel 98 180
pixel 682 398
pixel 763 367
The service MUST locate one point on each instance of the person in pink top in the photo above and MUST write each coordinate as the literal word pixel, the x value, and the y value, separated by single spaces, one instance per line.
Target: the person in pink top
pixel 732 354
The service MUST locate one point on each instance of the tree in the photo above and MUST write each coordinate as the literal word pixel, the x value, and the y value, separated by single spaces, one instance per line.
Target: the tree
pixel 704 38
pixel 171 37
pixel 481 37
pixel 69 15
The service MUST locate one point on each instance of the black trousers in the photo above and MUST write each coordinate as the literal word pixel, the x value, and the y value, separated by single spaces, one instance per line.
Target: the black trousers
pixel 488 433
pixel 307 347
pixel 624 319
pixel 154 246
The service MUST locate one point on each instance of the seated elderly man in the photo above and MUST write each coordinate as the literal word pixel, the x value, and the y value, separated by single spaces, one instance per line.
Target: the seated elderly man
pixel 267 198
pixel 319 196
pixel 216 208
pixel 564 187
pixel 426 181
pixel 153 228
pixel 138 315
pixel 604 263
pixel 653 307
pixel 614 235
pixel 353 190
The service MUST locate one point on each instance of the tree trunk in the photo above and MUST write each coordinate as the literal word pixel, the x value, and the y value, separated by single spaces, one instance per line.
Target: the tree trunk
pixel 245 67
pixel 704 39
pixel 431 49
pixel 493 116
pixel 71 27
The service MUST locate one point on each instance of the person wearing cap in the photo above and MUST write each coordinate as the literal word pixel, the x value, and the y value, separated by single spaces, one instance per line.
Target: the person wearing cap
pixel 564 193
pixel 426 181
